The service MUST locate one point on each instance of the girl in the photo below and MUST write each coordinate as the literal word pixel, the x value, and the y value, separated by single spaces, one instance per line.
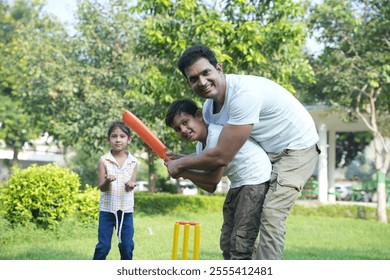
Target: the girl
pixel 117 172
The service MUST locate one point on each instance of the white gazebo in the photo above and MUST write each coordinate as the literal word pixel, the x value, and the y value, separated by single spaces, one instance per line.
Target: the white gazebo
pixel 327 124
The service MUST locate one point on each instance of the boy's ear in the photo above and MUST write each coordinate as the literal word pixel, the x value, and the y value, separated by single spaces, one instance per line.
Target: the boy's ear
pixel 199 115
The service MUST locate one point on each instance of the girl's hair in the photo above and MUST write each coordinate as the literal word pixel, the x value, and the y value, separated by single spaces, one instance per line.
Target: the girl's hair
pixel 121 125
pixel 180 106
pixel 193 54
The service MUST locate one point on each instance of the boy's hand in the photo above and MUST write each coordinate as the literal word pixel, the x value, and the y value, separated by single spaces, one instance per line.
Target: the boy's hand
pixel 129 186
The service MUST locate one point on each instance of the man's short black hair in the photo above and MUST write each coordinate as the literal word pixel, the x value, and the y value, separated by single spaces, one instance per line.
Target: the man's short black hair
pixel 193 54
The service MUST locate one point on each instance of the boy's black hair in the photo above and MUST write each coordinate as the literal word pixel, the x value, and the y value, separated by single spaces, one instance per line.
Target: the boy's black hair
pixel 121 125
pixel 193 54
pixel 180 106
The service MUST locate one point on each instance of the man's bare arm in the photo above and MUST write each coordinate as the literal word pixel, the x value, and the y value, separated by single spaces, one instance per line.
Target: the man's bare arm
pixel 206 180
pixel 231 139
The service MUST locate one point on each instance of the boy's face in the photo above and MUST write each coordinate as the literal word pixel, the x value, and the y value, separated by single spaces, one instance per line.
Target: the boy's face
pixel 190 128
pixel 206 80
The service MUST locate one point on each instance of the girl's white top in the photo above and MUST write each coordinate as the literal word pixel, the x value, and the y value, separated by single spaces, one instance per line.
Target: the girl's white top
pixel 116 198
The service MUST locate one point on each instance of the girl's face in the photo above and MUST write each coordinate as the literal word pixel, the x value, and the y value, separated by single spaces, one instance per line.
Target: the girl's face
pixel 119 140
pixel 190 128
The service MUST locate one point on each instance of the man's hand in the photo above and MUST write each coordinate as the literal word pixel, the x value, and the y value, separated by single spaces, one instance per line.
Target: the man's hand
pixel 174 156
pixel 173 168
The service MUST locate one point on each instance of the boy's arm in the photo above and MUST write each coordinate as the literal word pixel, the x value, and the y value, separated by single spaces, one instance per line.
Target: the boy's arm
pixel 206 180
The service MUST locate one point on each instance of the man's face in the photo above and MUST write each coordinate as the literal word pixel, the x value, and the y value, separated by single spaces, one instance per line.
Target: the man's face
pixel 206 80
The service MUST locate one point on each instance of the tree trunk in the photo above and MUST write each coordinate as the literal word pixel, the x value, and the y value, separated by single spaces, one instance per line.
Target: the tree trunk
pixel 382 156
pixel 381 192
pixel 15 160
pixel 152 171
pixel 382 164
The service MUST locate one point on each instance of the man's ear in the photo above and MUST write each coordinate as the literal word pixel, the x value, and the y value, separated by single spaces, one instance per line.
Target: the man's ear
pixel 219 67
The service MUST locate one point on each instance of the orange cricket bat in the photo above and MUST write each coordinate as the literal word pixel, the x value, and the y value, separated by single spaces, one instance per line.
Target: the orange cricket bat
pixel 146 134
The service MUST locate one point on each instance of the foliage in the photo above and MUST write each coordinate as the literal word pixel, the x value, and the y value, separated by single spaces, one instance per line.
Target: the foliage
pixel 43 195
pixel 85 165
pixel 101 61
pixel 356 53
pixel 163 185
pixel 252 37
pixel 122 57
pixel 87 204
pixel 353 72
pixel 349 144
pixel 17 125
pixel 361 168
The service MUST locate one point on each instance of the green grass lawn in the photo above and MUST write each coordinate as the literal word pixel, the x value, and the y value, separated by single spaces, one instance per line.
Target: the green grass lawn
pixel 307 238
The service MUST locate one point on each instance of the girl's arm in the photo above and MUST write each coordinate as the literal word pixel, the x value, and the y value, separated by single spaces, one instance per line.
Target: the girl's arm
pixel 130 185
pixel 104 179
pixel 206 180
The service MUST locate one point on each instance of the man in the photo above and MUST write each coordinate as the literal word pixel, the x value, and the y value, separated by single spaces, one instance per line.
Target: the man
pixel 251 106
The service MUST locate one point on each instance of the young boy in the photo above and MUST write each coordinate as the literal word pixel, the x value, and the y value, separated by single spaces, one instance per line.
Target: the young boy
pixel 244 200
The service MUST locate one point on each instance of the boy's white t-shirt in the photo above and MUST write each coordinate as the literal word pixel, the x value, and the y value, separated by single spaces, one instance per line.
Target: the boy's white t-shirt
pixel 250 166
pixel 280 120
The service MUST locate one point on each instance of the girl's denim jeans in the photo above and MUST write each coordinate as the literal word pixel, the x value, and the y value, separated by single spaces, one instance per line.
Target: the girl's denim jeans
pixel 125 231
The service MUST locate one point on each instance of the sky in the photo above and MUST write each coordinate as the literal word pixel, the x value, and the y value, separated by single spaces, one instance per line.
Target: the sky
pixel 64 9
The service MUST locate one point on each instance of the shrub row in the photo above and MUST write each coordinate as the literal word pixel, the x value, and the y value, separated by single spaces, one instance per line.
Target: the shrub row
pixel 164 203
pixel 337 210
pixel 45 195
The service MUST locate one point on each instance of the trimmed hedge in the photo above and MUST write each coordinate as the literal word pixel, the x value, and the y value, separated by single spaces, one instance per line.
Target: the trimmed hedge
pixel 338 210
pixel 87 204
pixel 164 203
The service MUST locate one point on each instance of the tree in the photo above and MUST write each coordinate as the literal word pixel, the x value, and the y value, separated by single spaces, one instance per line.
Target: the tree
pixel 348 146
pixel 353 72
pixel 17 125
pixel 253 37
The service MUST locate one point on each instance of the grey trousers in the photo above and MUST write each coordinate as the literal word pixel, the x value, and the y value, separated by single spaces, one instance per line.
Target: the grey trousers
pixel 241 221
pixel 290 171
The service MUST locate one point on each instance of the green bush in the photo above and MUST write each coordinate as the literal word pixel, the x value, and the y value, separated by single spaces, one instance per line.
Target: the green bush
pixel 87 204
pixel 43 195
